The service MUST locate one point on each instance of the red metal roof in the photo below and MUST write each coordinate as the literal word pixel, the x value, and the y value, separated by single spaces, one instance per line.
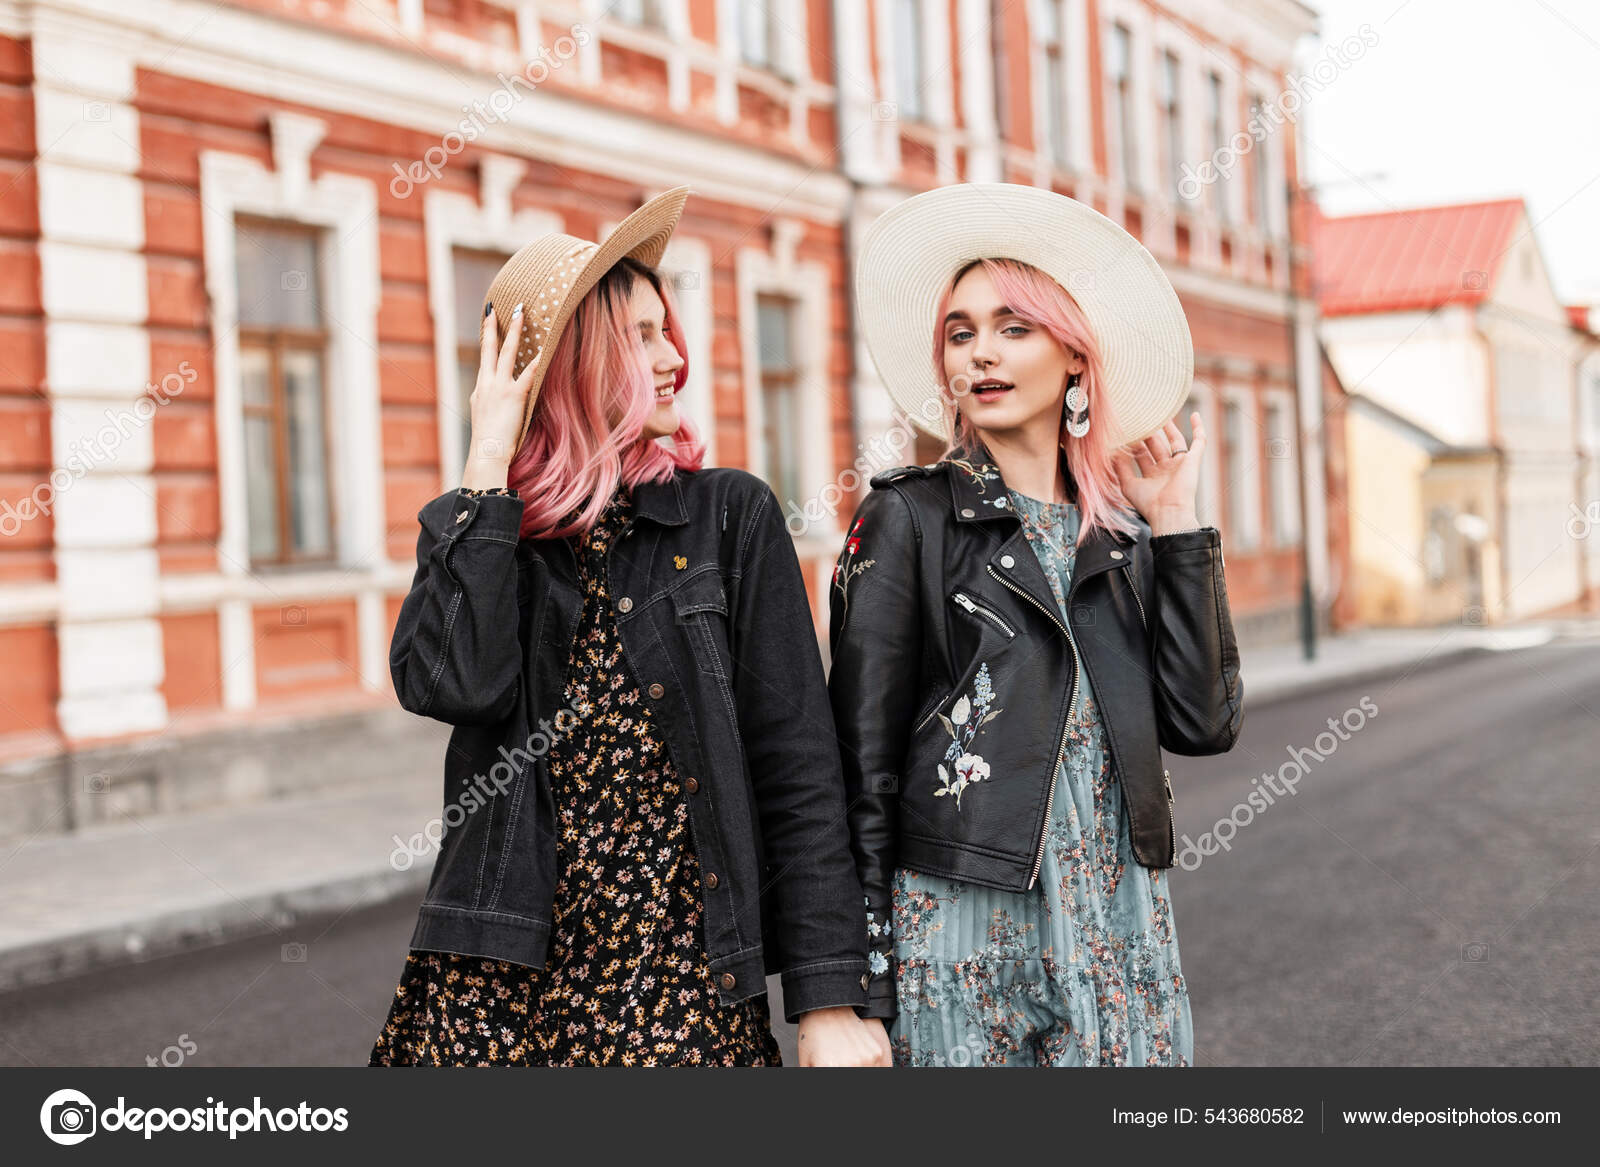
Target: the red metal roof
pixel 1392 261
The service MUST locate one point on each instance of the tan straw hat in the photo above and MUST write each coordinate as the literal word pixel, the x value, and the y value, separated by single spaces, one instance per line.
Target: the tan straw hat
pixel 913 249
pixel 550 277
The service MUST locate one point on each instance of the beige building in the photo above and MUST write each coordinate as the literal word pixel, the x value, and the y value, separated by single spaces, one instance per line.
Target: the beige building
pixel 1462 368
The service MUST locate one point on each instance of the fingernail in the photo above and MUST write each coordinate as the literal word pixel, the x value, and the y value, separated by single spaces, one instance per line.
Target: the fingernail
pixel 488 308
pixel 517 311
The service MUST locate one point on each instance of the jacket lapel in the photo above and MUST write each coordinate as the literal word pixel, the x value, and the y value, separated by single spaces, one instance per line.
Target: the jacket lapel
pixel 978 494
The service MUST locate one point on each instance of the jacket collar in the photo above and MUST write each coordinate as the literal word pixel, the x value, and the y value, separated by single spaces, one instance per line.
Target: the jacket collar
pixel 661 502
pixel 978 494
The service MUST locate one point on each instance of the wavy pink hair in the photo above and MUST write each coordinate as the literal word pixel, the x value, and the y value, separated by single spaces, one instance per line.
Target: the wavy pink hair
pixel 1041 301
pixel 587 434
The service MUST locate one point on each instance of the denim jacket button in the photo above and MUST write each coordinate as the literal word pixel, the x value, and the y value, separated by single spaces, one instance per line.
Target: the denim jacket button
pixel 656 690
pixel 712 880
pixel 625 604
pixel 692 784
pixel 729 980
pixel 863 980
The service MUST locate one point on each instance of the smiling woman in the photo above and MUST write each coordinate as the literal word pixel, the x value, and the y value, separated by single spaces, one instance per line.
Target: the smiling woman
pixel 608 904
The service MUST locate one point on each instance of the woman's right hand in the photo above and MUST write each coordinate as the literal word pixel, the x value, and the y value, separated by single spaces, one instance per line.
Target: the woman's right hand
pixel 497 403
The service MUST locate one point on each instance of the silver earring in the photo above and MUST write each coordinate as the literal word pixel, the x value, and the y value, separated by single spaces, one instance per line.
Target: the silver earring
pixel 1077 403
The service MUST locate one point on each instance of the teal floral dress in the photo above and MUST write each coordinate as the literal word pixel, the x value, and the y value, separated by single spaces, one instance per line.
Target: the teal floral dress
pixel 1081 969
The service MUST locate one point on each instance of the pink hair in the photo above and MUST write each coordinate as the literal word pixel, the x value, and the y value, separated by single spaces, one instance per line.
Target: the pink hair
pixel 1040 300
pixel 586 437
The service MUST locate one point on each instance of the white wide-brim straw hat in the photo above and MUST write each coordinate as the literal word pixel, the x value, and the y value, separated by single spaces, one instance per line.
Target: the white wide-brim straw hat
pixel 911 252
pixel 550 276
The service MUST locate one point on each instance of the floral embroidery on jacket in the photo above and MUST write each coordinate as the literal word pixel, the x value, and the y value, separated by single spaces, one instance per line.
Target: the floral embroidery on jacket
pixel 982 475
pixel 963 725
pixel 847 569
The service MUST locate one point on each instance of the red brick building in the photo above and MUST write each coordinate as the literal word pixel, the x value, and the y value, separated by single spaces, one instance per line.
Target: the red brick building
pixel 245 244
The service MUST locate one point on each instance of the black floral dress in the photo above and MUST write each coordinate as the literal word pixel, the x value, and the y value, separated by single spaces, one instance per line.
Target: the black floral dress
pixel 628 982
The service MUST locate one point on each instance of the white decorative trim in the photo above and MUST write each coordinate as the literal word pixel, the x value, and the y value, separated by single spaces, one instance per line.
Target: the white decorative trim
pixel 977 93
pixel 729 57
pixel 328 70
pixel 345 208
pixel 93 286
pixel 452 220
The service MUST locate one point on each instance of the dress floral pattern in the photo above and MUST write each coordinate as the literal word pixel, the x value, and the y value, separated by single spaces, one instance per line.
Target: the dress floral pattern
pixel 1082 968
pixel 628 982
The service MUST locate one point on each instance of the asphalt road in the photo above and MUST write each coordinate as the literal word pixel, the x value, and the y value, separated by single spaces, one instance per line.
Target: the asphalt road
pixel 1426 895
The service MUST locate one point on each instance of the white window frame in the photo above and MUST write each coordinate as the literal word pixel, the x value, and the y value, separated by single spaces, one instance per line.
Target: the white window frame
pixel 452 220
pixel 1073 22
pixel 698 398
pixel 345 210
pixel 757 273
pixel 1244 471
pixel 1208 502
pixel 1283 474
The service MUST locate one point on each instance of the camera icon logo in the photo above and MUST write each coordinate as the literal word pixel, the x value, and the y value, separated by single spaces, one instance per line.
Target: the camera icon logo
pixel 68 1117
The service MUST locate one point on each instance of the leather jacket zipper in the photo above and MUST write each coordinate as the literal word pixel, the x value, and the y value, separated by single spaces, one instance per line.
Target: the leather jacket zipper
pixel 1072 697
pixel 1134 588
pixel 963 600
pixel 1172 829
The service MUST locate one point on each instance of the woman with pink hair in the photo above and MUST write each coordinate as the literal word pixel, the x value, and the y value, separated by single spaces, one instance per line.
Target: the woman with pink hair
pixel 643 795
pixel 1018 630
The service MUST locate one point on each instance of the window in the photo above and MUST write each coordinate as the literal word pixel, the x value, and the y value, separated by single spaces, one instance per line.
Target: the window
pixel 473 272
pixel 1283 495
pixel 1055 80
pixel 1171 116
pixel 1219 139
pixel 1244 493
pixel 1119 101
pixel 780 394
pixel 758 35
pixel 908 62
pixel 283 358
pixel 1261 164
pixel 641 12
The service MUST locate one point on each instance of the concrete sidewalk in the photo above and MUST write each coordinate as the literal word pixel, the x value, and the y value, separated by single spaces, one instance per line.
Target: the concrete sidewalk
pixel 153 885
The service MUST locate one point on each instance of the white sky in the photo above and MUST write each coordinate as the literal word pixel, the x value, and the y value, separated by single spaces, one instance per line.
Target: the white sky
pixel 1466 99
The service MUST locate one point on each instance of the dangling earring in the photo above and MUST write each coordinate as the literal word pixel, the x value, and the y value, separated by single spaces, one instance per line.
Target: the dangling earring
pixel 1077 402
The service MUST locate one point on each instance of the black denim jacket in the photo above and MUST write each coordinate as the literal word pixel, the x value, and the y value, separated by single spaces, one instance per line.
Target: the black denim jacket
pixel 712 612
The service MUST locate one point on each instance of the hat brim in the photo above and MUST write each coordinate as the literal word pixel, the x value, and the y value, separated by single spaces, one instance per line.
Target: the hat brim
pixel 912 250
pixel 642 236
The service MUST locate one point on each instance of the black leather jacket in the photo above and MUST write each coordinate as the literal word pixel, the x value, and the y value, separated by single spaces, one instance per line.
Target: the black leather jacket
pixel 711 608
pixel 940 610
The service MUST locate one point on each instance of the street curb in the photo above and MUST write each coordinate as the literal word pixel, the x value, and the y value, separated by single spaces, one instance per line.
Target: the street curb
pixel 1310 686
pixel 226 919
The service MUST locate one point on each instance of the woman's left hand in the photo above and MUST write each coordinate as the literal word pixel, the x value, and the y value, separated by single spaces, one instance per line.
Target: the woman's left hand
pixel 1163 487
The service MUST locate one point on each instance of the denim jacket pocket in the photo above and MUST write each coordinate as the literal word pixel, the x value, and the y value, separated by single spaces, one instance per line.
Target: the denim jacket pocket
pixel 701 608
